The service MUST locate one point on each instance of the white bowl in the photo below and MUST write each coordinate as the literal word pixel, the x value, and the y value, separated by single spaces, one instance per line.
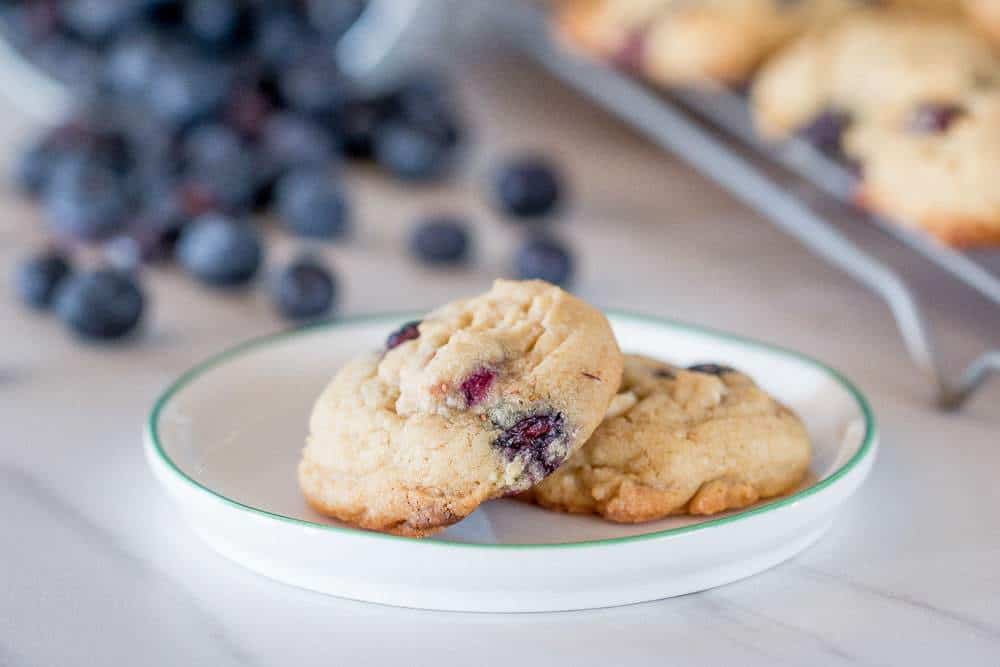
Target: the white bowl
pixel 224 441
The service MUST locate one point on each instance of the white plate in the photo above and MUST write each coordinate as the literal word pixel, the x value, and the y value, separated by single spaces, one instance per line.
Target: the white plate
pixel 224 440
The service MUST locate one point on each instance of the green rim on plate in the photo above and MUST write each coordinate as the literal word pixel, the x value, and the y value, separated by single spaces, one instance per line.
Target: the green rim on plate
pixel 210 363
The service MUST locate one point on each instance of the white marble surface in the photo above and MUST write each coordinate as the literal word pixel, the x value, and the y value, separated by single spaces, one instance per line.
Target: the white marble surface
pixel 97 569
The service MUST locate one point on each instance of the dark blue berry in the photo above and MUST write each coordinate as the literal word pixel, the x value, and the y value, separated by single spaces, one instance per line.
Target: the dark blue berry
pixel 304 290
pixel 333 17
pixel 96 20
pixel 220 251
pixel 415 153
pixel 711 369
pixel 440 241
pixel 100 305
pixel 216 24
pixel 356 124
pixel 422 99
pixel 528 188
pixel 281 37
pixel 130 64
pixel 37 279
pixel 85 200
pixel 934 118
pixel 211 144
pixel 529 439
pixel 314 86
pixel 312 205
pixel 544 259
pixel 291 141
pixel 185 91
pixel 409 331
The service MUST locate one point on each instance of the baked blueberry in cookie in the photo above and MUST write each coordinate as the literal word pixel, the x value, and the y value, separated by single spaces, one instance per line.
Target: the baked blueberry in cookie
pixel 676 441
pixel 480 399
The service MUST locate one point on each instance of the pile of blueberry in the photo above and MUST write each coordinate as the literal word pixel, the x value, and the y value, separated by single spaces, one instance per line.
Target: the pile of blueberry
pixel 195 115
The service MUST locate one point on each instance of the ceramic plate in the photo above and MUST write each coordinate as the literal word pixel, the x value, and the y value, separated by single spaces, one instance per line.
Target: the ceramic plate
pixel 224 441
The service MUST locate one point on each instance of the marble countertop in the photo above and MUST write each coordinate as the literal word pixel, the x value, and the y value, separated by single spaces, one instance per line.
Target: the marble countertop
pixel 97 568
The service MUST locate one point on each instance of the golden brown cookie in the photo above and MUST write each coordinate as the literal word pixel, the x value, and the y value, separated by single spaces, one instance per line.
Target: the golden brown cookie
pixel 985 15
pixel 482 398
pixel 697 441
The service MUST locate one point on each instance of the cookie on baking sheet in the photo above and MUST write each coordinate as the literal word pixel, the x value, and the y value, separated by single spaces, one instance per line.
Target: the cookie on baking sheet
pixel 868 65
pixel 482 398
pixel 696 441
pixel 935 167
pixel 678 42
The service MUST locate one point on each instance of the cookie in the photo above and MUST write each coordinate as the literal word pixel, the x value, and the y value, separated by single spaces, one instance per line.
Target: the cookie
pixel 482 398
pixel 868 65
pixel 985 15
pixel 935 168
pixel 678 42
pixel 674 441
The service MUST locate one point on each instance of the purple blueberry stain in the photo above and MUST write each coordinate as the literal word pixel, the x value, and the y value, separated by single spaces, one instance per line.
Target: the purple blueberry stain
pixel 711 369
pixel 826 130
pixel 409 331
pixel 934 118
pixel 477 386
pixel 531 439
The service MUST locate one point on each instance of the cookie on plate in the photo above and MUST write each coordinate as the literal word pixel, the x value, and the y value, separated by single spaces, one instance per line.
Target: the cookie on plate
pixel 935 167
pixel 868 65
pixel 699 441
pixel 676 42
pixel 482 398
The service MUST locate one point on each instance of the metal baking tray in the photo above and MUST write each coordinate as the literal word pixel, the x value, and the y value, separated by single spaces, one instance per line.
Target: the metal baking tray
pixel 692 125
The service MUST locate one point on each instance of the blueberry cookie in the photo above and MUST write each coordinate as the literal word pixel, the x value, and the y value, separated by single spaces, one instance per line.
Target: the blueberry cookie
pixel 698 441
pixel 678 42
pixel 935 167
pixel 483 398
pixel 866 66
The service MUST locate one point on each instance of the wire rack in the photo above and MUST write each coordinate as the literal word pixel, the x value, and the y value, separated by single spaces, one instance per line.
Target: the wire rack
pixel 672 121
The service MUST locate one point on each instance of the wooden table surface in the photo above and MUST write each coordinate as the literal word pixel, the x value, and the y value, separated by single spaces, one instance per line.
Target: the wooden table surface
pixel 98 569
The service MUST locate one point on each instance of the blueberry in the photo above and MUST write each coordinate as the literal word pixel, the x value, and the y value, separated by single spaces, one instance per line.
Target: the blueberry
pixel 100 305
pixel 281 37
pixel 409 331
pixel 304 290
pixel 528 188
pixel 130 64
pixel 440 241
pixel 96 20
pixel 311 204
pixel 711 369
pixel 37 279
pixel 422 98
pixel 314 86
pixel 216 24
pixel 414 153
pixel 544 259
pixel 85 200
pixel 247 110
pixel 290 140
pixel 220 251
pixel 357 123
pixel 334 17
pixel 32 168
pixel 211 144
pixel 530 439
pixel 185 91
pixel 934 118
pixel 221 167
pixel 826 130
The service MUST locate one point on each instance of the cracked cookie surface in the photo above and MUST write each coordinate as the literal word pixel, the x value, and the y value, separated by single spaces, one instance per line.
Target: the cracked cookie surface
pixel 680 441
pixel 482 398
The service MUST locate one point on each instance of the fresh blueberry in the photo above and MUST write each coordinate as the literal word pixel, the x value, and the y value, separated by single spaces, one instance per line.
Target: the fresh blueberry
pixel 281 37
pixel 826 131
pixel 216 24
pixel 544 259
pixel 32 169
pixel 311 204
pixel 356 124
pixel 37 278
pixel 440 241
pixel 100 305
pixel 529 439
pixel 422 99
pixel 85 200
pixel 96 20
pixel 247 110
pixel 130 64
pixel 333 18
pixel 415 153
pixel 314 86
pixel 305 290
pixel 409 331
pixel 934 118
pixel 528 188
pixel 220 251
pixel 711 369
pixel 291 141
pixel 186 90
pixel 211 144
